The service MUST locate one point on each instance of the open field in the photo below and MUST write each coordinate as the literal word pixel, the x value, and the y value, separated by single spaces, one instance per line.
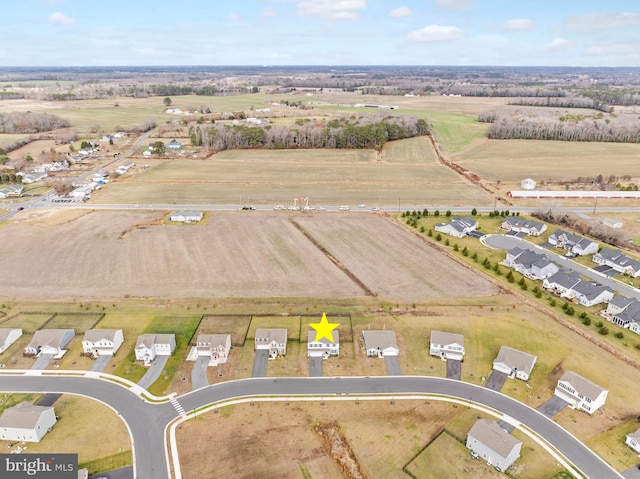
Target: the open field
pixel 246 254
pixel 407 173
pixel 8 138
pixel 242 437
pixel 75 431
pixel 515 160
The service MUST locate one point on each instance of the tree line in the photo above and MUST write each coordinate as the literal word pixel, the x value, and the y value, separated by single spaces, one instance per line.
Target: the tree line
pixel 30 122
pixel 507 124
pixel 307 133
pixel 563 102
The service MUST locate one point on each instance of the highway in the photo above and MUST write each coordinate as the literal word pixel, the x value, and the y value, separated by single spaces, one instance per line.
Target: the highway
pixel 147 421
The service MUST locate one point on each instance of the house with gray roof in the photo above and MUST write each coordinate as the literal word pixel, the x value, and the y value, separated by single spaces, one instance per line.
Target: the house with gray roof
pixel 380 343
pixel 274 340
pixel 589 293
pixel 561 282
pixel 323 348
pixel 11 191
pixel 488 441
pixel 214 346
pixel 49 341
pixel 447 345
pixel 8 336
pixel 531 264
pixel 148 346
pixel 573 243
pixel 514 363
pixel 624 312
pixel 458 227
pixel 580 393
pixel 102 342
pixel 618 261
pixel 26 422
pixel 522 225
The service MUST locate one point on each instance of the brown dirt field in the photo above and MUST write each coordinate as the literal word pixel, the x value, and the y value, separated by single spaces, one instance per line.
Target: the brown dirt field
pixel 239 440
pixel 234 254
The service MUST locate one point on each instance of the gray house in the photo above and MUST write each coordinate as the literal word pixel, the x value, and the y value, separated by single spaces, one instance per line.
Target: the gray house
pixel 380 343
pixel 26 422
pixel 489 441
pixel 458 227
pixel 531 264
pixel 49 341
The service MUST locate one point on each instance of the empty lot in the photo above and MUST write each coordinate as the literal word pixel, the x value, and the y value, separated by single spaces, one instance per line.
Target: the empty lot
pixel 235 254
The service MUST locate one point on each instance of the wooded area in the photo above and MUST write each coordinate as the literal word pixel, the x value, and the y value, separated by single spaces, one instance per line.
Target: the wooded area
pixel 29 122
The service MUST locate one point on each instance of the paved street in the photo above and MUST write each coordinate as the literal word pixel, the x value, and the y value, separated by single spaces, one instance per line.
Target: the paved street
pixel 508 242
pixel 148 420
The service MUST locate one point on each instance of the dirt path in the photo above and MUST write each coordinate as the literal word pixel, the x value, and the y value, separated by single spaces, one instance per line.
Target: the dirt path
pixel 339 450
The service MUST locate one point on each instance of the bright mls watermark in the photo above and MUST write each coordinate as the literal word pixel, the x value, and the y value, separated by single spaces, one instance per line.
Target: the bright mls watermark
pixel 39 466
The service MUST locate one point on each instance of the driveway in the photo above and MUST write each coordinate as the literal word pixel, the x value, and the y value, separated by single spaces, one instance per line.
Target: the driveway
pixel 154 371
pixel 42 361
pixel 260 364
pixel 496 380
pixel 48 399
pixel 315 367
pixel 199 373
pixel 454 369
pixel 124 473
pixel 100 363
pixel 553 406
pixel 393 365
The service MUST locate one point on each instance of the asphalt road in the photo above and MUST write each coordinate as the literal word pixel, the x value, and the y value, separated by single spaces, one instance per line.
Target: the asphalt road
pixel 508 242
pixel 147 421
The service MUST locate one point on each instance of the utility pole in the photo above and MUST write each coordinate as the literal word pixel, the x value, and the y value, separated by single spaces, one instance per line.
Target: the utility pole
pixel 595 204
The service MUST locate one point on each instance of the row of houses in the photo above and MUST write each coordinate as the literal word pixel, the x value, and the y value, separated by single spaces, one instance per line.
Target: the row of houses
pixel 460 227
pixel 573 244
pixel 579 392
pixel 531 264
pixel 567 284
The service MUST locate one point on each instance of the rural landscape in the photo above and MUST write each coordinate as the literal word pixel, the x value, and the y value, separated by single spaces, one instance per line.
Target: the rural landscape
pixel 199 203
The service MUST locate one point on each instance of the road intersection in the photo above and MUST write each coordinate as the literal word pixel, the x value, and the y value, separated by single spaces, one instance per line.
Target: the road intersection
pixel 148 420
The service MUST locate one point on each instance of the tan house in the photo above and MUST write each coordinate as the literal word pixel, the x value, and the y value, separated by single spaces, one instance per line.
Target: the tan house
pixel 214 346
pixel 49 341
pixel 274 340
pixel 26 422
pixel 380 343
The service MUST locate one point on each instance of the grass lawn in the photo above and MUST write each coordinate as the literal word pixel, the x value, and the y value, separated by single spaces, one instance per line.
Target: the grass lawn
pixel 236 326
pixel 75 431
pixel 29 322
pixel 81 323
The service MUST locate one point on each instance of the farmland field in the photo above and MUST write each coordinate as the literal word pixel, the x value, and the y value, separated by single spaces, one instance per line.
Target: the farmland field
pixel 407 173
pixel 256 254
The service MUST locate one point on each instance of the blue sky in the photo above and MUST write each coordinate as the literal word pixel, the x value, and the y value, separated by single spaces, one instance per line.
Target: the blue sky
pixel 320 32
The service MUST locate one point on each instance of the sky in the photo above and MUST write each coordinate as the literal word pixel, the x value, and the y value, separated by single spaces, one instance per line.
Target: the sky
pixel 320 32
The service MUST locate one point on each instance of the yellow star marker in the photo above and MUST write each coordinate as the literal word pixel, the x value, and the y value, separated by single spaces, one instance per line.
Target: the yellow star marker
pixel 324 328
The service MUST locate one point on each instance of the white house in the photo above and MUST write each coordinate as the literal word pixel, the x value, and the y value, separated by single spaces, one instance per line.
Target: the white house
pixel 186 216
pixel 580 393
pixel 214 346
pixel 273 340
pixel 514 363
pixel 561 282
pixel 8 336
pixel 447 345
pixel 531 264
pixel 174 145
pixel 457 227
pixel 521 225
pixel 573 243
pixel 633 441
pixel 148 346
pixel 323 348
pixel 26 422
pixel 49 341
pixel 102 342
pixel 11 191
pixel 528 184
pixel 618 261
pixel 487 440
pixel 380 343
pixel 624 312
pixel 590 293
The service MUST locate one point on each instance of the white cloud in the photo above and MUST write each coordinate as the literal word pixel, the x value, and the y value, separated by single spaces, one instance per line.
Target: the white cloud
pixel 401 12
pixel 58 18
pixel 591 22
pixel 332 9
pixel 519 24
pixel 558 44
pixel 268 12
pixel 455 4
pixel 435 33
